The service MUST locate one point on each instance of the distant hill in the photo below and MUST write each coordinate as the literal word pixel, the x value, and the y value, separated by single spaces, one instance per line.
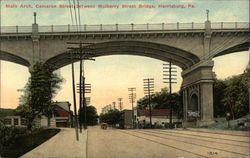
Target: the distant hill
pixel 6 112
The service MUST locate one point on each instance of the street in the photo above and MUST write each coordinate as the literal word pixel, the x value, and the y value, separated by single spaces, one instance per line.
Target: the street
pixel 157 143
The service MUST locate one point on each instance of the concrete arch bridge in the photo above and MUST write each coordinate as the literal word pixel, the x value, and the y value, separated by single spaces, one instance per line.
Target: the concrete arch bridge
pixel 188 45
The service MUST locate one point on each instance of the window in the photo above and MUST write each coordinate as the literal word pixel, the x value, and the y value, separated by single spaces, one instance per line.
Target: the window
pixel 23 122
pixel 7 121
pixel 15 121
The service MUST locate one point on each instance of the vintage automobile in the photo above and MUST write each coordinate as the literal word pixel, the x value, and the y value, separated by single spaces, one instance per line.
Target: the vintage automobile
pixel 104 125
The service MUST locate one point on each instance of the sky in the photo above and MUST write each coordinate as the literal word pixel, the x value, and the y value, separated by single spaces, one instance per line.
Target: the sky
pixel 111 76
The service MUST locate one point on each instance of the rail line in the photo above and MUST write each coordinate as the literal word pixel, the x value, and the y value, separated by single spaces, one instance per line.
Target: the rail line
pixel 130 133
pixel 164 144
pixel 159 132
pixel 207 136
pixel 191 130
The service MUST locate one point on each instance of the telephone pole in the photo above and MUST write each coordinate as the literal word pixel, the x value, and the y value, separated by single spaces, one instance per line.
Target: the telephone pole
pixel 81 53
pixel 170 77
pixel 148 91
pixel 82 90
pixel 74 96
pixel 120 103
pixel 132 97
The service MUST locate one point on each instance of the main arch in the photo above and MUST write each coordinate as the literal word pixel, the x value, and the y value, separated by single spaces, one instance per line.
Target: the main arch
pixel 162 52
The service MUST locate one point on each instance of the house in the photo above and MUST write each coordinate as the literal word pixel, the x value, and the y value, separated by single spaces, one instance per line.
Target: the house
pixel 14 121
pixel 61 117
pixel 126 119
pixel 160 118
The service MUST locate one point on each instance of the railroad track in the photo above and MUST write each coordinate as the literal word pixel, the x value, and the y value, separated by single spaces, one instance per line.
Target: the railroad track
pixel 218 137
pixel 186 145
pixel 192 130
pixel 217 140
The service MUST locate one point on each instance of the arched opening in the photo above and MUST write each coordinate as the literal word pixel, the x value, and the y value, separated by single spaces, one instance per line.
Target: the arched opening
pixel 110 77
pixel 236 48
pixel 162 52
pixel 193 103
pixel 13 77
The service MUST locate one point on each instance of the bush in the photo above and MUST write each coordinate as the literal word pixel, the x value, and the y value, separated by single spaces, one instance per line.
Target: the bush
pixel 15 142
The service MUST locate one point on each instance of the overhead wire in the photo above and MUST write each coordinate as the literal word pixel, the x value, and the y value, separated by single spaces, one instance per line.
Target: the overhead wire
pixel 79 15
pixel 71 15
pixel 75 15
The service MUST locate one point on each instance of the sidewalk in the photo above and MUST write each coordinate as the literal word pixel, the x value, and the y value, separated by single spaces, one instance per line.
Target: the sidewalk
pixel 62 145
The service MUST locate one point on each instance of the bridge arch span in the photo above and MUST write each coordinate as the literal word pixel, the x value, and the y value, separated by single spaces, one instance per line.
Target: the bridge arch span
pixel 162 52
pixel 234 48
pixel 13 58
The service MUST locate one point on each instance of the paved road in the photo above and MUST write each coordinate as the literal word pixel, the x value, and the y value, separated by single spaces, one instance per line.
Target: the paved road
pixel 114 143
pixel 62 145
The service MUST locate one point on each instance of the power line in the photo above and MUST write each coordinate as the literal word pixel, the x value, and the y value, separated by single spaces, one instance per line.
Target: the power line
pixel 71 15
pixel 75 15
pixel 79 15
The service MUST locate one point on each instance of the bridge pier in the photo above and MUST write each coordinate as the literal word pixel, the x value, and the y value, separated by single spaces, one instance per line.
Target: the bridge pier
pixel 35 44
pixel 197 88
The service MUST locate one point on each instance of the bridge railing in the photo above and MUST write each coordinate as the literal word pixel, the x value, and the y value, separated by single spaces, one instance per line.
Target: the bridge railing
pixel 125 27
pixel 228 25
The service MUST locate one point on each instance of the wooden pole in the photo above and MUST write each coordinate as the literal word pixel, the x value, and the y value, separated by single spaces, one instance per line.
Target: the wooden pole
pixel 74 98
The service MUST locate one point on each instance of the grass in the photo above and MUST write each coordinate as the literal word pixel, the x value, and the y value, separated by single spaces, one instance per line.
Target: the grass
pixel 24 143
pixel 233 124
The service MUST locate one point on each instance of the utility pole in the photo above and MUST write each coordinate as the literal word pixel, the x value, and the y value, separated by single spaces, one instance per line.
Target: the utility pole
pixel 87 89
pixel 169 76
pixel 148 91
pixel 120 103
pixel 74 97
pixel 81 53
pixel 114 106
pixel 132 97
pixel 82 90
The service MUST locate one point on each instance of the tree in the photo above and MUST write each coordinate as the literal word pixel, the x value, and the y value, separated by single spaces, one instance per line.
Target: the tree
pixel 91 115
pixel 218 94
pixel 112 117
pixel 38 93
pixel 236 95
pixel 163 100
